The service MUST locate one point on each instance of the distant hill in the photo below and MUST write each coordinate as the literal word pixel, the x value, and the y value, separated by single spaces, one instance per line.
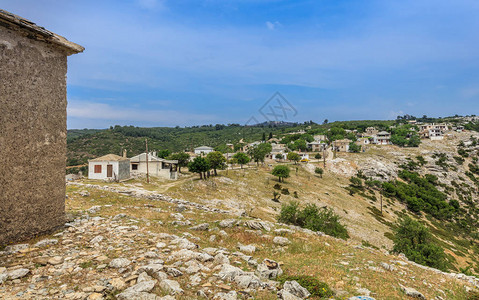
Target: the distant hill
pixel 84 144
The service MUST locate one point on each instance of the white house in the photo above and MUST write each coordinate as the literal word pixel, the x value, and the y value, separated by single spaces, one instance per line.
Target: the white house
pixel 109 167
pixel 203 150
pixel 435 134
pixel 382 138
pixel 157 167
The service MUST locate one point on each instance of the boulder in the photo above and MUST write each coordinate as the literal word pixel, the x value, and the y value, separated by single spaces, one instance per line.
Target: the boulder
pixel 412 292
pixel 171 287
pixel 118 263
pixel 229 272
pixel 296 289
pixel 17 273
pixel 285 295
pixel 201 227
pixel 228 223
pixel 268 269
pixel 281 241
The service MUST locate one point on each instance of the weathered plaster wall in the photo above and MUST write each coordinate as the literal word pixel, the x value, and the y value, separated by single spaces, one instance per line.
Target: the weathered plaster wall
pixel 32 136
pixel 123 169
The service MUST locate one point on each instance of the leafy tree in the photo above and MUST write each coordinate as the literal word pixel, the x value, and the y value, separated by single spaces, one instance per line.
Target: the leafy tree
pixel 318 156
pixel 241 158
pixel 300 144
pixel 281 171
pixel 199 165
pixel 182 158
pixel 336 133
pixel 278 156
pixel 293 156
pixel 270 135
pixel 415 241
pixel 259 152
pixel 164 153
pixel 319 171
pixel 353 147
pixel 264 136
pixel 216 161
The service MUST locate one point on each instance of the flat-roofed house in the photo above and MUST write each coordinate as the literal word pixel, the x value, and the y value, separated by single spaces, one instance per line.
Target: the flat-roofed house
pixel 158 167
pixel 203 150
pixel 33 128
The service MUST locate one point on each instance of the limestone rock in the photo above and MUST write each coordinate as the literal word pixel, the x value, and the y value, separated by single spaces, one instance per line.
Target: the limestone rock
pixel 45 242
pixel 250 249
pixel 285 295
pixel 228 223
pixel 268 269
pixel 118 283
pixel 229 272
pixel 296 289
pixel 56 260
pixel 18 273
pixel 412 292
pixel 282 241
pixel 201 227
pixel 118 263
pixel 171 287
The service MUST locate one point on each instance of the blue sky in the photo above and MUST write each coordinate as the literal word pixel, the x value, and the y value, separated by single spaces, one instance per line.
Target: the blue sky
pixel 168 63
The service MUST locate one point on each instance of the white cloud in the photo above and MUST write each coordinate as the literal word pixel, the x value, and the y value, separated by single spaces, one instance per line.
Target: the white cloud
pixel 273 25
pixel 111 113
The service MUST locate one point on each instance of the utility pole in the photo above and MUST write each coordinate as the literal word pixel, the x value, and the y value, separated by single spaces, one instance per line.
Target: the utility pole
pixel 147 175
pixel 324 158
pixel 381 200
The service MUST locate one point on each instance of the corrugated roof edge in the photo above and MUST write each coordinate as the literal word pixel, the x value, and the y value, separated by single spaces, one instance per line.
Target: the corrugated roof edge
pixel 8 19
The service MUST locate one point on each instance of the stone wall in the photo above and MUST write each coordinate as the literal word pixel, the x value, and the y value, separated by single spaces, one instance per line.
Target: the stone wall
pixel 32 136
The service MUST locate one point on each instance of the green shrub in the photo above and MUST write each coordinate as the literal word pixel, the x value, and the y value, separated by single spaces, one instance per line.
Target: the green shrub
pixel 459 160
pixel 285 191
pixel 420 194
pixel 414 240
pixel 312 284
pixel 313 218
pixel 356 182
pixel 277 186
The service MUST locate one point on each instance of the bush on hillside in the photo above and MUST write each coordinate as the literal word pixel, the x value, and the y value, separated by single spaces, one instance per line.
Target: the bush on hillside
pixel 415 241
pixel 420 194
pixel 313 218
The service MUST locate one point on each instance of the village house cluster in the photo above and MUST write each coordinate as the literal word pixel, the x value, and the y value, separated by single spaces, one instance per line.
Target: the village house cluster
pixel 115 168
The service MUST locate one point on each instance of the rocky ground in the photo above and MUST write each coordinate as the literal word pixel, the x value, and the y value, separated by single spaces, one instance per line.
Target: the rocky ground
pixel 124 245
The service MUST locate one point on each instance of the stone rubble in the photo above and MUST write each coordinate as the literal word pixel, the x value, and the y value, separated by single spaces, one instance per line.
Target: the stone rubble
pixel 98 257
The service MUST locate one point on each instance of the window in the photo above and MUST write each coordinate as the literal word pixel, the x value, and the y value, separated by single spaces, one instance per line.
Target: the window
pixel 134 166
pixel 97 168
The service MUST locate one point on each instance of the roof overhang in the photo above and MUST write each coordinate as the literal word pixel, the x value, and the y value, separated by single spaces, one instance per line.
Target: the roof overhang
pixel 38 33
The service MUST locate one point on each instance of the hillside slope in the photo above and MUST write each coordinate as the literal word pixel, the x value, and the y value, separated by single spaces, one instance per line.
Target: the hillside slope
pixel 138 244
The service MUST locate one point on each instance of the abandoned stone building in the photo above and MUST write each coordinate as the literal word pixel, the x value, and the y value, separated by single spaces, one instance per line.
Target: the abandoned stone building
pixel 33 67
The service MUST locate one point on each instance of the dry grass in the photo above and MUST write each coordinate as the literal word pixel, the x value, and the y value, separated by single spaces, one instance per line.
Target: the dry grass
pixel 322 257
